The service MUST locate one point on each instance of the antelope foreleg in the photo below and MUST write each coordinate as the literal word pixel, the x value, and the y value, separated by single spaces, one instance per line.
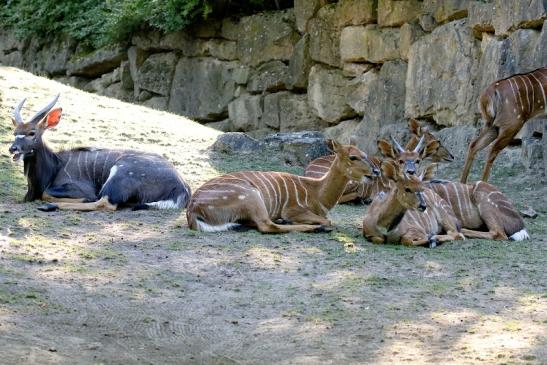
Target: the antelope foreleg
pixel 490 235
pixel 308 217
pixel 101 204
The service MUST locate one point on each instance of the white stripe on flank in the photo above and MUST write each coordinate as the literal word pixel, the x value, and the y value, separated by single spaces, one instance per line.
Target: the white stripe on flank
pixel 520 236
pixel 287 194
pixel 526 88
pixel 296 194
pixel 511 80
pixel 113 171
pixel 204 227
pixel 66 165
pixel 305 192
pixel 542 91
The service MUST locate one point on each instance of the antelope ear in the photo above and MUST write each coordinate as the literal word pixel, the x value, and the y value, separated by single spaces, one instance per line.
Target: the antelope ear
pixel 390 170
pixel 414 127
pixel 412 143
pixel 51 119
pixel 430 148
pixel 385 148
pixel 329 142
pixel 428 172
pixel 336 147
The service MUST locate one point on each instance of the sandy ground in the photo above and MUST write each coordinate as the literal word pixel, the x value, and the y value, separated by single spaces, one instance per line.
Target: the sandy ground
pixel 140 288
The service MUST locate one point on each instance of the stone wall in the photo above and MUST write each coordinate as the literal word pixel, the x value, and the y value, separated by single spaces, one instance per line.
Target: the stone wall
pixel 345 67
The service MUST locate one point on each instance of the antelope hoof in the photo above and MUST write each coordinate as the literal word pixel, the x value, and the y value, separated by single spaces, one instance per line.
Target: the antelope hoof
pixel 323 229
pixel 49 207
pixel 432 242
pixel 282 221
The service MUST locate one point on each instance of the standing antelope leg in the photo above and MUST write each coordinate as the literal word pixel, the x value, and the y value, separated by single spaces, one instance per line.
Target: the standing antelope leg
pixel 485 137
pixel 499 144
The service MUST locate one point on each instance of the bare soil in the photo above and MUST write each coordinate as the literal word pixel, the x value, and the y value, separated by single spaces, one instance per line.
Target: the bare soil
pixel 140 288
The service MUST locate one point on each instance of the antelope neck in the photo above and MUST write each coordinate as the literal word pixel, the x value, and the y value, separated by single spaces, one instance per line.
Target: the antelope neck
pixel 391 212
pixel 332 184
pixel 40 169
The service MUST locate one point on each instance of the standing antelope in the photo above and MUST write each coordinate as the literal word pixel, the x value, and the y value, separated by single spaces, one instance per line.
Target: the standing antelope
pixel 475 205
pixel 505 106
pixel 88 178
pixel 409 213
pixel 258 199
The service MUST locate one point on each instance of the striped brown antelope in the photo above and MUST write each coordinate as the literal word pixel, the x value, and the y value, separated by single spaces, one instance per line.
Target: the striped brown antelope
pixel 440 154
pixel 409 213
pixel 476 205
pixel 258 199
pixel 505 106
pixel 91 179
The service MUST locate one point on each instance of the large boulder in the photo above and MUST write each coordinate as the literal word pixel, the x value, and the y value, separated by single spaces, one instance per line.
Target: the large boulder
pixel 97 63
pixel 304 10
pixel 53 57
pixel 135 57
pixel 156 73
pixel 289 112
pixel 343 131
pixel 511 15
pixel 222 49
pixel 369 43
pixel 235 142
pixel 246 112
pixel 11 48
pixel 327 94
pixel 299 65
pixel 446 10
pixel 410 33
pixel 393 13
pixel 297 148
pixel 202 88
pixel 442 67
pixel 325 37
pixel 265 37
pixel 481 16
pixel 269 76
pixel 356 12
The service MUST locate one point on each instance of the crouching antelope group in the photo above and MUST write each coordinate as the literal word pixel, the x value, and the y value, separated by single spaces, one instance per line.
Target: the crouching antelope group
pixel 407 205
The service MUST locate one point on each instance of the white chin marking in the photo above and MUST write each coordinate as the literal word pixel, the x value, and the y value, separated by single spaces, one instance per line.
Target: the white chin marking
pixel 365 179
pixel 204 227
pixel 520 236
pixel 17 157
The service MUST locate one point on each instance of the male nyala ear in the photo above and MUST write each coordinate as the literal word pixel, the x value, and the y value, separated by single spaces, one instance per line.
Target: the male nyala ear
pixel 390 170
pixel 385 148
pixel 51 119
pixel 336 147
pixel 430 148
pixel 428 172
pixel 414 127
pixel 412 142
pixel 329 142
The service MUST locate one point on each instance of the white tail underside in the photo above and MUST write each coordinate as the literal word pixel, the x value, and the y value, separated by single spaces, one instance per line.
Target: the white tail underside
pixel 520 235
pixel 204 227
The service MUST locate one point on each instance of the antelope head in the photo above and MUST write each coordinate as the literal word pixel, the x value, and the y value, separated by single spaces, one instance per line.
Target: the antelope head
pixel 354 163
pixel 408 188
pixel 28 136
pixel 439 154
pixel 408 160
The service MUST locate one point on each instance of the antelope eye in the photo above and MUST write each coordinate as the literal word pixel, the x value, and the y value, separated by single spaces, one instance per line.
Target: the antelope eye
pixel 408 190
pixel 31 134
pixel 353 158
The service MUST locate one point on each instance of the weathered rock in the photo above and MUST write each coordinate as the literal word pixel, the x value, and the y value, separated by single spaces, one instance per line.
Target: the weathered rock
pixel 524 44
pixel 289 112
pixel 97 63
pixel 382 95
pixel 410 33
pixel 427 22
pixel 135 57
pixel 449 94
pixel 356 69
pixel 481 17
pixel 241 74
pixel 528 212
pixel 202 88
pixel 53 57
pixel 511 15
pixel 98 85
pixel 369 43
pixel 224 50
pixel 494 63
pixel 246 112
pixel 230 29
pixel 327 93
pixel 154 41
pixel 156 73
pixel 343 131
pixel 364 88
pixel 143 96
pixel 533 141
pixel 446 10
pixel 11 48
pixel 392 13
pixel 269 76
pixel 116 91
pixel 299 65
pixel 125 76
pixel 265 37
pixel 74 81
pixel 208 29
pixel 304 10
pixel 235 142
pixel 356 12
pixel 223 126
pixel 297 148
pixel 325 37
pixel 157 102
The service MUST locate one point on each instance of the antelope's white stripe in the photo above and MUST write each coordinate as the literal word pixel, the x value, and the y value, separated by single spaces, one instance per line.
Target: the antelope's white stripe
pixel 526 88
pixel 542 91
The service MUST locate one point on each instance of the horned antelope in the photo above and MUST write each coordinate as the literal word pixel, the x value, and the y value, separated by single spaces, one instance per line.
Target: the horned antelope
pixel 259 199
pixel 88 178
pixel 475 205
pixel 409 213
pixel 355 190
pixel 505 106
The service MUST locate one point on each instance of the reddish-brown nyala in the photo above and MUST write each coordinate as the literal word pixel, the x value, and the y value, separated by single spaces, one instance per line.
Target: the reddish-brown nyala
pixel 259 199
pixel 505 106
pixel 90 178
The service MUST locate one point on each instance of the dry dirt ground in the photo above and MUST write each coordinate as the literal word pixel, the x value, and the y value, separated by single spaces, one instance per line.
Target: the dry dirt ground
pixel 140 288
